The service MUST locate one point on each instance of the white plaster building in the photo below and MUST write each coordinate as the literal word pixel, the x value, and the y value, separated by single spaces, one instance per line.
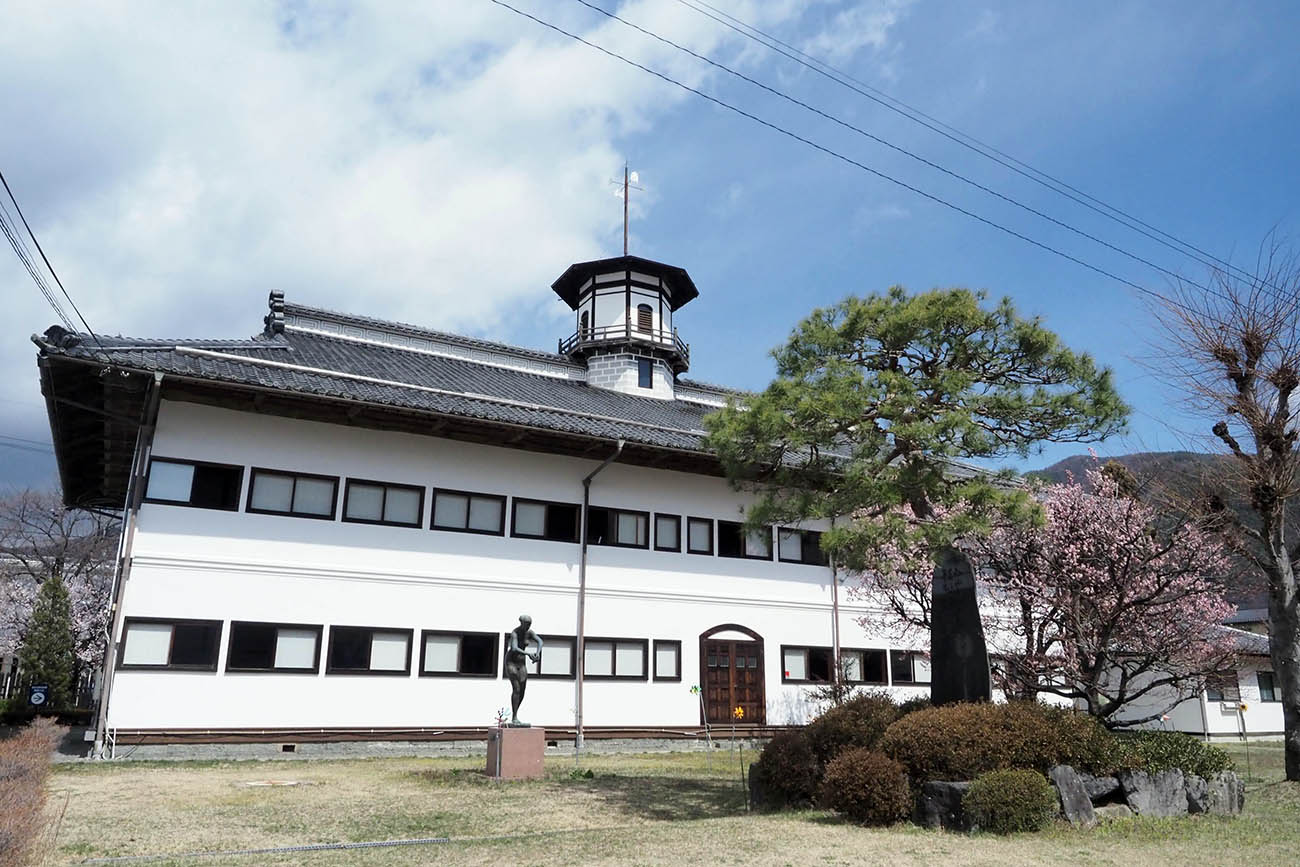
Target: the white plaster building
pixel 330 526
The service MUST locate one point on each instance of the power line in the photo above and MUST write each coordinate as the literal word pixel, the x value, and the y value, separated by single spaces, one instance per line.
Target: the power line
pixel 898 148
pixel 969 141
pixel 23 440
pixel 46 260
pixel 836 154
pixel 23 448
pixel 10 231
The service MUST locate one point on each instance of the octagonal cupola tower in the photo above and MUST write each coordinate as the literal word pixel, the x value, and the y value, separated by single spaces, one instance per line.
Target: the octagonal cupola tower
pixel 623 323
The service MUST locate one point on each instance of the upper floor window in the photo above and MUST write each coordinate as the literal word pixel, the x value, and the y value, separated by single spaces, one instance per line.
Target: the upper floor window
pixel 645 373
pixel 800 546
pixel 1267 689
pixel 273 647
pixel 618 527
pixel 469 512
pixel 645 318
pixel 300 494
pixel 383 503
pixel 537 519
pixel 178 644
pixel 584 325
pixel 668 533
pixel 194 483
pixel 699 535
pixel 733 541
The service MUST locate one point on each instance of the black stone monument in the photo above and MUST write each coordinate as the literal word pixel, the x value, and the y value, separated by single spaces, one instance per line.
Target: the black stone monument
pixel 959 660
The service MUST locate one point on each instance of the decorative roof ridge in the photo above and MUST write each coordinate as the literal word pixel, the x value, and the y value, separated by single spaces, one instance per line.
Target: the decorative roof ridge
pixel 293 310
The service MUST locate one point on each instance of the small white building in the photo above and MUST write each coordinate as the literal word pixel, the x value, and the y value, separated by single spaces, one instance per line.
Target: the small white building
pixel 1236 704
pixel 331 525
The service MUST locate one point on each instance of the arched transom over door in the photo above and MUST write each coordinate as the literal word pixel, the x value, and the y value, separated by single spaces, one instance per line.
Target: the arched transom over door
pixel 731 674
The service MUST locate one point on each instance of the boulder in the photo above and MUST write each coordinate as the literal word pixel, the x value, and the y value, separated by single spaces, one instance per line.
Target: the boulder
pixel 1113 812
pixel 1198 794
pixel 939 806
pixel 1075 803
pixel 1225 794
pixel 1099 788
pixel 1161 794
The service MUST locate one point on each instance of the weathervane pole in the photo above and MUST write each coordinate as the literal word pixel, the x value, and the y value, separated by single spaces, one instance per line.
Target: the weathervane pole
pixel 625 187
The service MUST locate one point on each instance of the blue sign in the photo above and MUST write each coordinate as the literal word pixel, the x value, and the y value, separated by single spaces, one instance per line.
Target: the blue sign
pixel 38 694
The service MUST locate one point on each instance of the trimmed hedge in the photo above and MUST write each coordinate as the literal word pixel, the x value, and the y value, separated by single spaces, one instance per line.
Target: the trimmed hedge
pixel 962 741
pixel 1009 801
pixel 1159 751
pixel 785 775
pixel 867 787
pixel 858 722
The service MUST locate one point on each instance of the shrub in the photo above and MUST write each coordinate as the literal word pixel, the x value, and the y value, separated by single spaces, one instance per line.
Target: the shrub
pixel 913 704
pixel 24 766
pixel 962 741
pixel 858 722
pixel 1160 751
pixel 785 775
pixel 1008 801
pixel 866 786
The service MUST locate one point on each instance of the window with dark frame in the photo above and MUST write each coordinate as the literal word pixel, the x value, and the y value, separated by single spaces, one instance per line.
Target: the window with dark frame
pixel 468 512
pixel 667 660
pixel 153 643
pixel 300 495
pixel 583 325
pixel 800 546
pixel 558 661
pixel 458 654
pixel 279 647
pixel 200 484
pixel 733 541
pixel 615 659
pixel 1267 688
pixel 539 519
pixel 383 503
pixel 1223 686
pixel 620 528
pixel 668 533
pixel 645 318
pixel 645 373
pixel 369 650
pixel 909 667
pixel 699 536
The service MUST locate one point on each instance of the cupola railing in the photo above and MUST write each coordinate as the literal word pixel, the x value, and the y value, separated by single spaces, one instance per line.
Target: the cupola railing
pixel 605 334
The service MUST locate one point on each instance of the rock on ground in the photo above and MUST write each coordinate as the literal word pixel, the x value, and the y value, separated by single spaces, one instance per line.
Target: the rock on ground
pixel 939 806
pixel 1075 803
pixel 1162 794
pixel 1099 788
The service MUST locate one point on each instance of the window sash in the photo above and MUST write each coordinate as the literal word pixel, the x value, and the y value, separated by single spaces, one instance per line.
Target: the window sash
pixel 668 660
pixel 549 521
pixel 668 533
pixel 255 646
pixel 300 495
pixel 381 651
pixel 794 663
pixel 155 643
pixel 296 649
pixel 445 654
pixel 171 481
pixel 790 546
pixel 699 535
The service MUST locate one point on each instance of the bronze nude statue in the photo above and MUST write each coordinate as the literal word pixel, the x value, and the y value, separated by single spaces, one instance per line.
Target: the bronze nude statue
pixel 517 657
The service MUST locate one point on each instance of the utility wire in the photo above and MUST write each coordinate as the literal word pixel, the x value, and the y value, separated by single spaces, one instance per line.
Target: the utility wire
pixel 898 148
pixel 968 141
pixel 837 155
pixel 46 260
pixel 12 235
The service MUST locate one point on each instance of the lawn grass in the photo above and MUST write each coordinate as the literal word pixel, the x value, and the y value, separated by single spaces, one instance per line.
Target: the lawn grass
pixel 670 808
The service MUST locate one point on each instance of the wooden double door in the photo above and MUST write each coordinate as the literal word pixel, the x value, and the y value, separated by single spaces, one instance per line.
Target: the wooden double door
pixel 732 678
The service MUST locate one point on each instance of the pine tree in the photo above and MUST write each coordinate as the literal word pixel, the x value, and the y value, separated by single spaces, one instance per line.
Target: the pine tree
pixel 48 653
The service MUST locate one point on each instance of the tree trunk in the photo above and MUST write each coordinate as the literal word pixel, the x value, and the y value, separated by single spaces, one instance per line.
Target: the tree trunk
pixel 1284 647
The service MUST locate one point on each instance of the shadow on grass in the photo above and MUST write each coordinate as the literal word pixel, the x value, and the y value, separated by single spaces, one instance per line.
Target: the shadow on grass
pixel 666 798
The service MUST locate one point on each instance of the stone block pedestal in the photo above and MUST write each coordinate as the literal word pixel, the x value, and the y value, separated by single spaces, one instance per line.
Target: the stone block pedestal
pixel 515 753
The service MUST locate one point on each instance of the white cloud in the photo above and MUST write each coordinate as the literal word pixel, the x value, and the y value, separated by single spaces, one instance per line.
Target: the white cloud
pixel 850 30
pixel 439 163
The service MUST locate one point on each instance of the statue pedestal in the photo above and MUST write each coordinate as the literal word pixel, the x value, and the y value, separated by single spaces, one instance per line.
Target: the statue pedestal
pixel 516 753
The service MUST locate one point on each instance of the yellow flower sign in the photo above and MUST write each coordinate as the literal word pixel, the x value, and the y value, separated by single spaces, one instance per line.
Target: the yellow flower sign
pixel 739 712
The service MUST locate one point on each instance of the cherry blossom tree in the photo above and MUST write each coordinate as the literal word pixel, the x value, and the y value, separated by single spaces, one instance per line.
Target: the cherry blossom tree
pixel 40 538
pixel 1099 604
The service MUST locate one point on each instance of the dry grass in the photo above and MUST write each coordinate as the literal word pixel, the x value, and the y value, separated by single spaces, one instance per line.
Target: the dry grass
pixel 655 810
pixel 24 767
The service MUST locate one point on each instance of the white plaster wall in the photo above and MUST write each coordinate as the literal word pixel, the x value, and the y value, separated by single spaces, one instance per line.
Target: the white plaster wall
pixel 1196 714
pixel 198 563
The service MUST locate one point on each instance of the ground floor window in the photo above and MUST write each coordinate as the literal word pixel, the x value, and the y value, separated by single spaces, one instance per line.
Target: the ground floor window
pixel 369 650
pixel 909 667
pixel 668 660
pixel 557 661
pixel 614 658
pixel 273 647
pixel 1223 686
pixel 170 644
pixel 816 665
pixel 451 654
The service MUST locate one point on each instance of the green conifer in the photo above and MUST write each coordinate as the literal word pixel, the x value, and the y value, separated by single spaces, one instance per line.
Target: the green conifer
pixel 47 654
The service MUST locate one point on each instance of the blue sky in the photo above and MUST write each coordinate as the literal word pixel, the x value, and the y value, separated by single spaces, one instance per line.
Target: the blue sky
pixel 178 163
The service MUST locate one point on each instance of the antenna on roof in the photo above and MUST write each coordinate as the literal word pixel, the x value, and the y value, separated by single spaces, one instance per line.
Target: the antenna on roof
pixel 629 182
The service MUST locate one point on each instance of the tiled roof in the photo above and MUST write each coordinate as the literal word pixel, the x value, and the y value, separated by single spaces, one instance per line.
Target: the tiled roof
pixel 330 366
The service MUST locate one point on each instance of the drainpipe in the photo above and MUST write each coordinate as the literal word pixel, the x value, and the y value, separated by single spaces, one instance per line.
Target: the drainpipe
pixel 582 598
pixel 835 618
pixel 130 513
